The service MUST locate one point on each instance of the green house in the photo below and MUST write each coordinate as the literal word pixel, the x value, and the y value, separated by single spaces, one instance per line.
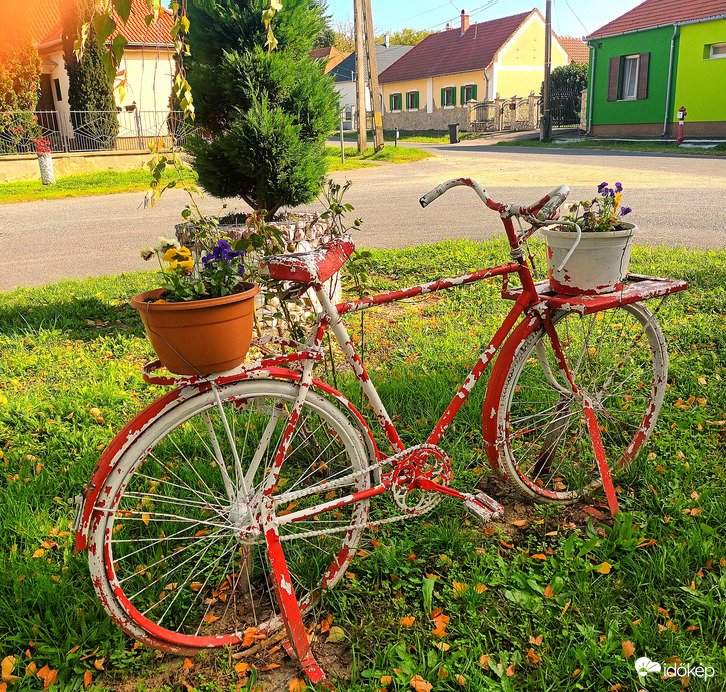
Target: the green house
pixel 649 62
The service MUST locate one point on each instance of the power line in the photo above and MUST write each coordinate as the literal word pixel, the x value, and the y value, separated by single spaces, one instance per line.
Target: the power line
pixel 587 31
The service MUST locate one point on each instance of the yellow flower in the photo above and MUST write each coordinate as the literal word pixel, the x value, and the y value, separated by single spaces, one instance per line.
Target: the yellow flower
pixel 177 254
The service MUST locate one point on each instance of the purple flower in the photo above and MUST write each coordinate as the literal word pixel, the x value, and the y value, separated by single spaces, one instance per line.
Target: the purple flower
pixel 601 188
pixel 618 187
pixel 223 252
pixel 625 210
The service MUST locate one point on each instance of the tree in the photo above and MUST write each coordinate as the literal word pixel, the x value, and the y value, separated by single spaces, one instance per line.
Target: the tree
pixel 264 116
pixel 89 88
pixel 405 37
pixel 325 39
pixel 572 77
pixel 344 35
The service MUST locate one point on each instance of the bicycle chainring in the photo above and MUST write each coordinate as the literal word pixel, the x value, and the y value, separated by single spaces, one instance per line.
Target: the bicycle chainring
pixel 423 461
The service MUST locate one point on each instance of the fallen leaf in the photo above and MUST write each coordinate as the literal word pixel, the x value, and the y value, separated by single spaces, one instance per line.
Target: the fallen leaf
pixel 31 668
pixel 386 679
pixel 407 622
pixel 533 656
pixel 510 670
pixel 604 568
pixel 520 523
pixel 442 646
pixel 271 666
pixel 98 663
pixel 209 618
pixel 38 553
pixel 336 634
pixel 443 673
pixel 297 685
pixel 47 675
pixel 196 585
pixel 537 641
pixel 628 649
pixel 548 591
pixel 87 677
pixel 325 624
pixel 484 661
pixel 459 588
pixel 250 636
pixel 616 687
pixel 188 664
pixel 539 556
pixel 577 672
pixel 460 679
pixel 419 684
pixel 145 518
pixel 480 588
pixel 242 669
pixel 7 666
pixel 567 605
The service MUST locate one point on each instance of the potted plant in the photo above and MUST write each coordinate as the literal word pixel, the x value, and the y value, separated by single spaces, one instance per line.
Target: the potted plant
pixel 594 258
pixel 45 160
pixel 201 320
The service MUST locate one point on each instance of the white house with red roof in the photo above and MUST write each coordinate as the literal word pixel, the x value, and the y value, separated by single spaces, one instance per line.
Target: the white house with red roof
pixel 148 62
pixel 431 85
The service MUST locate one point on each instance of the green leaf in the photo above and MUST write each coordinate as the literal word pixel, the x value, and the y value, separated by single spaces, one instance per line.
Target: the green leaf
pixel 118 45
pixel 123 9
pixel 104 27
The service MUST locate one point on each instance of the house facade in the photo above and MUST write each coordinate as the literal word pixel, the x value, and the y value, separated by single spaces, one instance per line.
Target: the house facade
pixel 431 85
pixel 653 60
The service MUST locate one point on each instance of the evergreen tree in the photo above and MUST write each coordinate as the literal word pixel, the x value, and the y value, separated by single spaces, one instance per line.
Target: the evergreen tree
pixel 19 88
pixel 89 88
pixel 265 116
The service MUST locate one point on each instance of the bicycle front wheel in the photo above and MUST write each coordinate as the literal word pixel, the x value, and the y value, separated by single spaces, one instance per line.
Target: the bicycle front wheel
pixel 176 548
pixel 618 360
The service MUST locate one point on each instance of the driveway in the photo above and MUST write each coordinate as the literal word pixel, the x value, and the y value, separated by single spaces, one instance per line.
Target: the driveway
pixel 679 201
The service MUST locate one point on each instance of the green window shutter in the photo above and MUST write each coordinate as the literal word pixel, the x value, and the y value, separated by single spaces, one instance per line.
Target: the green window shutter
pixel 462 95
pixel 473 91
pixel 443 97
pixel 390 102
pixel 415 99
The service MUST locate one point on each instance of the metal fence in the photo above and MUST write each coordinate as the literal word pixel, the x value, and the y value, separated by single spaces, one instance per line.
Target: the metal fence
pixel 86 131
pixel 497 115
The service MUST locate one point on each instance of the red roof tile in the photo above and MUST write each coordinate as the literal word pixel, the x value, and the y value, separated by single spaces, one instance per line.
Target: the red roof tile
pixel 652 13
pixel 576 48
pixel 332 55
pixel 44 20
pixel 447 52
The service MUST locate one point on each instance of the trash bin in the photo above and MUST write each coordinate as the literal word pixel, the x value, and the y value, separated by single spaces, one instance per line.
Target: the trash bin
pixel 454 133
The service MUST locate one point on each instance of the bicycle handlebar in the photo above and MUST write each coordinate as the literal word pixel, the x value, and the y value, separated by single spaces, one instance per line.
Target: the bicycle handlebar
pixel 542 210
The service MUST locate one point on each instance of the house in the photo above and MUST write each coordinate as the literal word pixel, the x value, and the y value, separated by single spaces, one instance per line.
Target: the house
pixel 331 55
pixel 648 63
pixel 345 78
pixel 429 87
pixel 148 63
pixel 575 48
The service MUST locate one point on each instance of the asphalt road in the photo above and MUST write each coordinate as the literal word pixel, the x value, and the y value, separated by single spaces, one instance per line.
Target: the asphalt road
pixel 678 201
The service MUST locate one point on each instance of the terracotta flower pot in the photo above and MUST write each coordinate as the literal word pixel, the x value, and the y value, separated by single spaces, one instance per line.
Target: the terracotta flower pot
pixel 199 337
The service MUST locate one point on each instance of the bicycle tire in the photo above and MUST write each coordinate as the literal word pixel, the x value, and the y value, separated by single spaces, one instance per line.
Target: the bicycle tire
pixel 537 431
pixel 176 561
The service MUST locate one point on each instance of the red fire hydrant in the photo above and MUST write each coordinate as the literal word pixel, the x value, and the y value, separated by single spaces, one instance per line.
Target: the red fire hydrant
pixel 681 119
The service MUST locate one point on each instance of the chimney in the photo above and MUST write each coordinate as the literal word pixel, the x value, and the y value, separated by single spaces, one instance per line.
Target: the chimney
pixel 385 40
pixel 464 21
pixel 448 27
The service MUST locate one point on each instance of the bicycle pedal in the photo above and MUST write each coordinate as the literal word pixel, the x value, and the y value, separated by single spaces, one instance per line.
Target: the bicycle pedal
pixel 484 508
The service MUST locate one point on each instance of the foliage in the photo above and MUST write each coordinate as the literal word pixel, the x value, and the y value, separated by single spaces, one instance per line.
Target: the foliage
pixel 221 270
pixel 89 86
pixel 405 37
pixel 572 76
pixel 20 67
pixel 265 116
pixel 344 35
pixel 602 213
pixel 325 39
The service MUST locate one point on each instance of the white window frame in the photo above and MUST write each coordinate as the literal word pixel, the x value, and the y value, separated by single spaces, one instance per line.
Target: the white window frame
pixel 720 55
pixel 634 95
pixel 397 93
pixel 451 89
pixel 408 93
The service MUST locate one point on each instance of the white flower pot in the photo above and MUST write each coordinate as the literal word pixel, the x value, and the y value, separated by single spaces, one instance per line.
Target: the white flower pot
pixel 45 162
pixel 598 265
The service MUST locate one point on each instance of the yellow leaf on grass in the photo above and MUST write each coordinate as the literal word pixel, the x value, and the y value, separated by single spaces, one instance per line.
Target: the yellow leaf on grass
pixel 87 677
pixel 539 556
pixel 480 588
pixel 548 592
pixel 336 634
pixel 98 663
pixel 537 641
pixel 442 646
pixel 510 670
pixel 532 656
pixel 460 679
pixel 419 684
pixel 145 518
pixel 196 586
pixel 242 669
pixel 604 568
pixel 459 588
pixel 297 685
pixel 7 666
pixel 628 649
pixel 39 553
pixel 484 661
pixel 407 622
pixel 386 679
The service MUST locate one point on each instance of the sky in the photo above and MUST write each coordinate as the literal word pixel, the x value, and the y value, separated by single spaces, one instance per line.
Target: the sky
pixel 569 17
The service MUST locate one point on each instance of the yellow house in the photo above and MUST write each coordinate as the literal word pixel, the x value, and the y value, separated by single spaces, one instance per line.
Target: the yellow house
pixel 430 86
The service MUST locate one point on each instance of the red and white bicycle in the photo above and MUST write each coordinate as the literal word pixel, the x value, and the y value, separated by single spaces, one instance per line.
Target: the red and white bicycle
pixel 221 512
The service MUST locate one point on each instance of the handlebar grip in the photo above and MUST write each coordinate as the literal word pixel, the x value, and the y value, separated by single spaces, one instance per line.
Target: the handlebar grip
pixel 437 192
pixel 556 198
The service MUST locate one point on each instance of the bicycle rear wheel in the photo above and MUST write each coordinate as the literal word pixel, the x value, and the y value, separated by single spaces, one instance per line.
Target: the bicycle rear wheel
pixel 176 549
pixel 536 424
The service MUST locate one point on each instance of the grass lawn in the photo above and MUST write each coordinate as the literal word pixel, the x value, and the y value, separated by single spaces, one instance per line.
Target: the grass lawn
pixel 353 159
pixel 81 185
pixel 609 145
pixel 548 599
pixel 428 136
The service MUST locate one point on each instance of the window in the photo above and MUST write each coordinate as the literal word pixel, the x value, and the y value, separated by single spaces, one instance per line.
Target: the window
pixel 394 102
pixel 448 97
pixel 717 50
pixel 412 100
pixel 468 93
pixel 628 77
pixel 58 92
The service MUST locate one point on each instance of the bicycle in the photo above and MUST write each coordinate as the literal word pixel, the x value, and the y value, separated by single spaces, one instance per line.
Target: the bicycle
pixel 221 512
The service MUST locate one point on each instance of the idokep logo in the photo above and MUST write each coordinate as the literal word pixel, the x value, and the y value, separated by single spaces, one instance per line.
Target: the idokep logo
pixel 644 666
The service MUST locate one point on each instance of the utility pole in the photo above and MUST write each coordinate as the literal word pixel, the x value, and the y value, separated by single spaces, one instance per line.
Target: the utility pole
pixel 373 88
pixel 360 77
pixel 545 132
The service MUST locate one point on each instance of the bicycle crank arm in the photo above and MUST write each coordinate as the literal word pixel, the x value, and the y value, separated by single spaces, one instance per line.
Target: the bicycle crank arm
pixel 483 507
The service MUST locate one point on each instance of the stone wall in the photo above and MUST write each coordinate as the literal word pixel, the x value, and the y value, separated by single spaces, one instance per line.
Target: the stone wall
pixel 420 120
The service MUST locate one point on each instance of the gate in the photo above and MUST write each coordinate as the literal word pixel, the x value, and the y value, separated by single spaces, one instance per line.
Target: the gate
pixel 565 107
